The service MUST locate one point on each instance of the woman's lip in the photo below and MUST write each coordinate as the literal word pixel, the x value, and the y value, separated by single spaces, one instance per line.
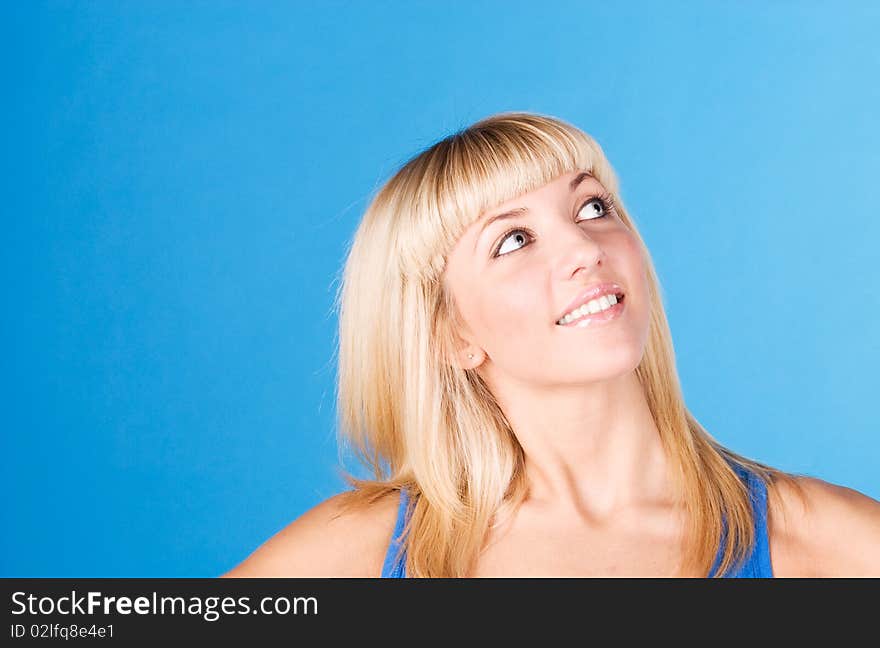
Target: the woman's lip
pixel 596 290
pixel 602 316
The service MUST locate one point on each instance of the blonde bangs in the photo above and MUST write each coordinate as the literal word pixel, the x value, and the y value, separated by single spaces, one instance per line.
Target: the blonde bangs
pixel 450 185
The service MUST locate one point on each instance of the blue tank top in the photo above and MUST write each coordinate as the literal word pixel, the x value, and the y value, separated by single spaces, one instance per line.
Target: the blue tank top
pixel 757 565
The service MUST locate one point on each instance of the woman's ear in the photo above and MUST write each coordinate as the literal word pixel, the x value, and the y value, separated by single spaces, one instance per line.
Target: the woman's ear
pixel 467 354
pixel 470 357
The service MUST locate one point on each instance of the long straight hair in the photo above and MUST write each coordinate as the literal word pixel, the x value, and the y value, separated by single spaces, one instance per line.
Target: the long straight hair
pixel 418 421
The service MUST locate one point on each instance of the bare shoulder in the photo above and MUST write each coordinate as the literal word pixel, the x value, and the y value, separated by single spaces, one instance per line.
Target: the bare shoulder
pixel 330 540
pixel 823 530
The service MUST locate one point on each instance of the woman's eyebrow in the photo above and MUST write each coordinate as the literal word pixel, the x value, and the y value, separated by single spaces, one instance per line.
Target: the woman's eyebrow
pixel 519 211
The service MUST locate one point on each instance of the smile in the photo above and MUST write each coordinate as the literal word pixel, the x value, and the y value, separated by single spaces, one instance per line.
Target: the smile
pixel 607 307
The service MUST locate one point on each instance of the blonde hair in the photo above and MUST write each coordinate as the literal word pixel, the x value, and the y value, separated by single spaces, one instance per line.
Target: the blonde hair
pixel 420 422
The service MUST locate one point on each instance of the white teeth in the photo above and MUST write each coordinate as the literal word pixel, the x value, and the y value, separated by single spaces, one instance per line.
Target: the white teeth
pixel 591 307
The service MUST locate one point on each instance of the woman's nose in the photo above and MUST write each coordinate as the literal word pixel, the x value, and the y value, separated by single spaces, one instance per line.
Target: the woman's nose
pixel 582 252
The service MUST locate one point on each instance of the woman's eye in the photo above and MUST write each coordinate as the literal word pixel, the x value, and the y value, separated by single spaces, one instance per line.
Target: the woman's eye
pixel 521 235
pixel 597 207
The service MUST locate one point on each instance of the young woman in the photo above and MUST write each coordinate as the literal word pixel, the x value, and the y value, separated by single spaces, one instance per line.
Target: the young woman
pixel 506 371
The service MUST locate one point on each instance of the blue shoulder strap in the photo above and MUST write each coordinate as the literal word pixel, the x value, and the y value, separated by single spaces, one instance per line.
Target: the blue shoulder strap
pixel 395 565
pixel 757 565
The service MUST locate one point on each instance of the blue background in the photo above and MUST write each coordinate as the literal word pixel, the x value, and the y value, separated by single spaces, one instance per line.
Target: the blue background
pixel 180 180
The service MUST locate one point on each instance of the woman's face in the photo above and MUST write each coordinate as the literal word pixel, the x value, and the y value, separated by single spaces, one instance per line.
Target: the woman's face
pixel 513 281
